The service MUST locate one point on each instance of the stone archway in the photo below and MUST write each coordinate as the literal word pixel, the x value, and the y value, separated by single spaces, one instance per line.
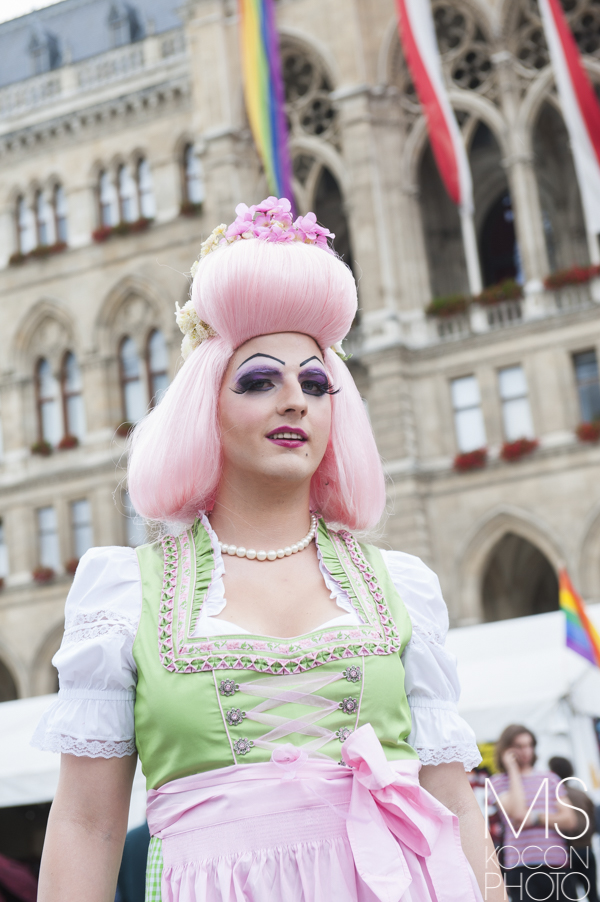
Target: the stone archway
pixel 8 686
pixel 518 580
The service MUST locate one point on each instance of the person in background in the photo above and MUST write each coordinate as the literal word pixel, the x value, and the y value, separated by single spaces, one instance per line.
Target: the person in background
pixel 131 883
pixel 536 866
pixel 583 860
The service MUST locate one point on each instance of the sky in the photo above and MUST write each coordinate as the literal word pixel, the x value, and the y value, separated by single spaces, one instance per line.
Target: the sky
pixel 11 9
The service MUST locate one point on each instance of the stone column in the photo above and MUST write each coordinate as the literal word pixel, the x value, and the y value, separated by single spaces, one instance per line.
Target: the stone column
pixel 217 100
pixel 524 192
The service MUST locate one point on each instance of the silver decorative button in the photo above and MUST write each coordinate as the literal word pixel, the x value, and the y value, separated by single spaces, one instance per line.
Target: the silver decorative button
pixel 349 705
pixel 234 717
pixel 242 746
pixel 353 673
pixel 228 687
pixel 343 733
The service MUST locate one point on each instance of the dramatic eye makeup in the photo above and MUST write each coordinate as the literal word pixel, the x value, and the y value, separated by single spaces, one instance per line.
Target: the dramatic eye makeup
pixel 256 378
pixel 261 377
pixel 314 381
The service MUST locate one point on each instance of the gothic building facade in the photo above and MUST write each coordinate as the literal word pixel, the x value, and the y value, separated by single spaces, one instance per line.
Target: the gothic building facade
pixel 124 141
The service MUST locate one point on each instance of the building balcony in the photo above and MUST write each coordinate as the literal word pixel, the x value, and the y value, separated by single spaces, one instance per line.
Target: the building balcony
pixel 384 328
pixel 72 84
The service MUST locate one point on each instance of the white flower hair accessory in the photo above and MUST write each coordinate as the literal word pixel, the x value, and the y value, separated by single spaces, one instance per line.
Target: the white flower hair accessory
pixel 195 331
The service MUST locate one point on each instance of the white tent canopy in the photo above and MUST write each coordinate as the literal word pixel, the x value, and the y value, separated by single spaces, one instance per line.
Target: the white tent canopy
pixel 520 671
pixel 28 776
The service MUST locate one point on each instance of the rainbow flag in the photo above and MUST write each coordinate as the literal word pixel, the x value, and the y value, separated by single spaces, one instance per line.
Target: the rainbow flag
pixel 582 635
pixel 263 89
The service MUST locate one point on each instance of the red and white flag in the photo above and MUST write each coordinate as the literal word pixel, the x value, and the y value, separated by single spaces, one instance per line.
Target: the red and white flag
pixel 419 43
pixel 580 108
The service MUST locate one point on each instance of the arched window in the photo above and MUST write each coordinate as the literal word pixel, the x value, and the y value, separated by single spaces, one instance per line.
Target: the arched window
pixel 127 195
pixel 108 200
pixel 60 213
pixel 49 419
pixel 73 407
pixel 147 206
pixel 193 181
pixel 44 216
pixel 132 389
pixel 25 227
pixel 158 366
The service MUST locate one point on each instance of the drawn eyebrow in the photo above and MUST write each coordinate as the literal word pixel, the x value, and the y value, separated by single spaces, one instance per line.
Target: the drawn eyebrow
pixel 314 357
pixel 282 362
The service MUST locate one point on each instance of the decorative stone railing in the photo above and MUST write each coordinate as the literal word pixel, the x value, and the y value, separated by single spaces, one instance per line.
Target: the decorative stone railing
pixel 26 96
pixel 386 328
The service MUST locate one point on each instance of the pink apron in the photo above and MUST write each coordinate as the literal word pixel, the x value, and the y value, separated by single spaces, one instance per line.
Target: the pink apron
pixel 307 830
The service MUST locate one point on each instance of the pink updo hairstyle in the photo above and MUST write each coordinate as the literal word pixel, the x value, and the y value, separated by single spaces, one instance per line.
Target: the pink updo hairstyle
pixel 243 290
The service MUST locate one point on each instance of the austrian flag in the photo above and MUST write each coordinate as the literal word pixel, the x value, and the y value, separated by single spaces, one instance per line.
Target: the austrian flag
pixel 419 44
pixel 581 111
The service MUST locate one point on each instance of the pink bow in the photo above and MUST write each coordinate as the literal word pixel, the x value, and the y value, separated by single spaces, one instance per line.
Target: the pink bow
pixel 385 804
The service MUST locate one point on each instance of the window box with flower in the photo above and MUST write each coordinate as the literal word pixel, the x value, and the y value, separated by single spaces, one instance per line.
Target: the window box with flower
pixel 507 290
pixel 67 442
pixel 588 432
pixel 512 451
pixel 449 305
pixel 43 448
pixel 43 574
pixel 471 460
pixel 122 228
pixel 575 275
pixel 38 253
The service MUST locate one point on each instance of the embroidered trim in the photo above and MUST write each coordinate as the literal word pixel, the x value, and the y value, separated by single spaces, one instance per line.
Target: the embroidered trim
pixel 84 748
pixel 468 755
pixel 182 652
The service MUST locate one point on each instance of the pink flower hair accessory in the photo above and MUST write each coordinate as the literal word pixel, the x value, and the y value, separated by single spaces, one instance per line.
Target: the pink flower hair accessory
pixel 271 220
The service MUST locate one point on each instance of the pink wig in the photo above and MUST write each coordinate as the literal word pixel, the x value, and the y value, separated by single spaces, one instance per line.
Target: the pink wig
pixel 243 290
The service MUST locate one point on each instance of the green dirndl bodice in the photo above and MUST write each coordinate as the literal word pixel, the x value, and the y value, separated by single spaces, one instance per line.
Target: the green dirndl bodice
pixel 204 703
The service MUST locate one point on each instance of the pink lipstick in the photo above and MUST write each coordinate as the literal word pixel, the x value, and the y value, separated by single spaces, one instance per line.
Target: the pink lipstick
pixel 288 437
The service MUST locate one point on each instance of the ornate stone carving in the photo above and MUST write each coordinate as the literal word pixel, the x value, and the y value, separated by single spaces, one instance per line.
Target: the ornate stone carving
pixel 466 55
pixel 309 107
pixel 463 46
pixel 526 34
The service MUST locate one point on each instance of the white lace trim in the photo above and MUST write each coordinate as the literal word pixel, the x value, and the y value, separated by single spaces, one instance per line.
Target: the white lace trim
pixel 73 635
pixel 95 616
pixel 429 634
pixel 468 755
pixel 85 748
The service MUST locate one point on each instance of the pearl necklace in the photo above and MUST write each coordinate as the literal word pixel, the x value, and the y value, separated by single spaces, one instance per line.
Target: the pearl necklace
pixel 251 554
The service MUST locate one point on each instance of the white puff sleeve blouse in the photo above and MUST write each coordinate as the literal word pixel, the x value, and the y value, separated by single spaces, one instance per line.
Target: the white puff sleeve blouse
pixel 93 713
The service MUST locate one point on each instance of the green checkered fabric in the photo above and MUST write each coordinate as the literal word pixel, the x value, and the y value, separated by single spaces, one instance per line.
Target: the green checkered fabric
pixel 154 870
